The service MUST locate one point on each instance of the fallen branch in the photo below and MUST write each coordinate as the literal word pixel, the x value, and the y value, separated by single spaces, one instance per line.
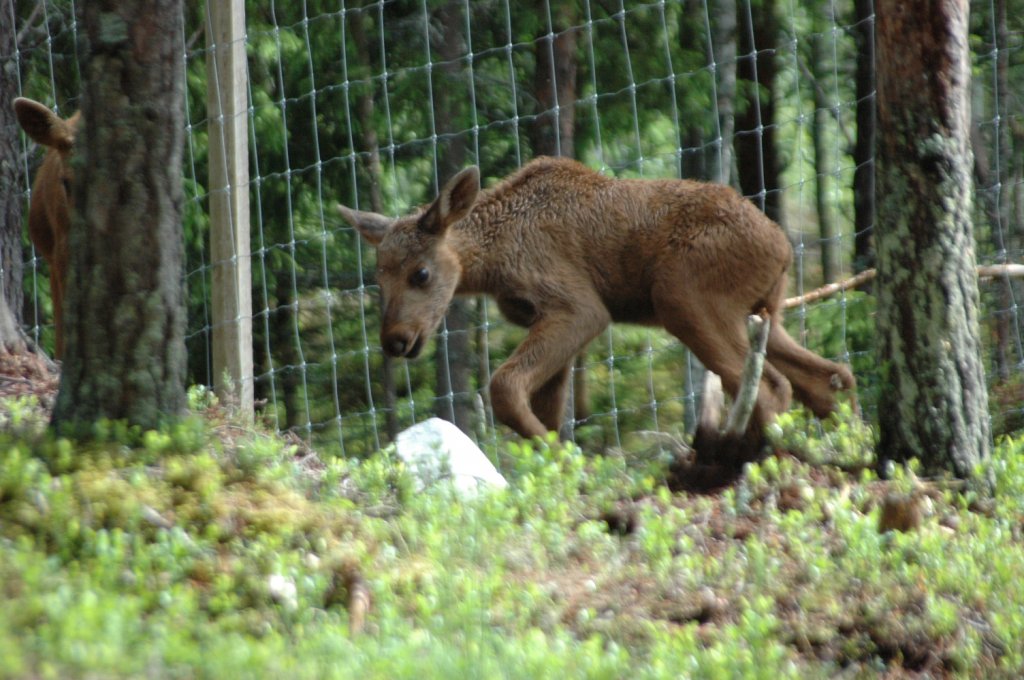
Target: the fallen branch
pixel 830 289
pixel 985 271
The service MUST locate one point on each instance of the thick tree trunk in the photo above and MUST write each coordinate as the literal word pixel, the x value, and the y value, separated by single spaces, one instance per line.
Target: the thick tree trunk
pixel 864 148
pixel 934 404
pixel 10 176
pixel 453 356
pixel 756 156
pixel 125 356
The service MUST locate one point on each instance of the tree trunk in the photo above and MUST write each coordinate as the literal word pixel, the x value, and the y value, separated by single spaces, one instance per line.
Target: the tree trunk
pixel 453 355
pixel 284 337
pixel 819 133
pixel 934 404
pixel 10 176
pixel 864 148
pixel 756 155
pixel 371 147
pixel 992 176
pixel 125 356
pixel 722 55
pixel 553 133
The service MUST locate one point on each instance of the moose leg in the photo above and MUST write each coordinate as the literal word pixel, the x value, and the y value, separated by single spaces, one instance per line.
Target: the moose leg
pixel 528 391
pixel 715 332
pixel 548 402
pixel 815 379
pixel 58 273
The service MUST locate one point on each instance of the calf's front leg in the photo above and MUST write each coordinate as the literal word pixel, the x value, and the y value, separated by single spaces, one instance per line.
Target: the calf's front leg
pixel 548 402
pixel 528 391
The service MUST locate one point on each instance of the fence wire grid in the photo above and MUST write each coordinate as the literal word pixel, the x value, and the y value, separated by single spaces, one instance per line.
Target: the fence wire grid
pixel 376 104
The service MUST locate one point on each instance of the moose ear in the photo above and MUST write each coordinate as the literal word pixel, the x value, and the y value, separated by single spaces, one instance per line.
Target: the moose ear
pixel 371 225
pixel 453 203
pixel 42 125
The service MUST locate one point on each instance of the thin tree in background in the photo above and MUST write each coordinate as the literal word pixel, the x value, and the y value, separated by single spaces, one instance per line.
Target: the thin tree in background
pixel 757 155
pixel 553 133
pixel 933 403
pixel 827 228
pixel 864 147
pixel 453 354
pixel 992 173
pixel 370 145
pixel 125 356
pixel 722 54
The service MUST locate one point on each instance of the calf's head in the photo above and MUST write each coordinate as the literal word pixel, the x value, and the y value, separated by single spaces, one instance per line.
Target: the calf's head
pixel 53 182
pixel 418 267
pixel 49 216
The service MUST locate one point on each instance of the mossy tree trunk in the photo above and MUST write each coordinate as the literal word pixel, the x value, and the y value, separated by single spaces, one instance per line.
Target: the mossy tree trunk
pixel 125 356
pixel 934 404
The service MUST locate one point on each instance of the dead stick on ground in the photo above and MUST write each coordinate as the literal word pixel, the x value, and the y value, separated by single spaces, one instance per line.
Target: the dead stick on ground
pixel 746 397
pixel 358 604
pixel 986 271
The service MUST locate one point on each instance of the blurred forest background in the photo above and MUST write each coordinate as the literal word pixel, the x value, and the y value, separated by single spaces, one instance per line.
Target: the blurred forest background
pixel 376 104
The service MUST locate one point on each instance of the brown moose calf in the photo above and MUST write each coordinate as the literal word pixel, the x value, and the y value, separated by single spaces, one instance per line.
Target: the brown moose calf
pixel 565 250
pixel 49 213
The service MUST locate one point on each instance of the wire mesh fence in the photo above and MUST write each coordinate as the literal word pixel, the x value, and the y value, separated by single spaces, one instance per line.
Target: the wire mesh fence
pixel 376 104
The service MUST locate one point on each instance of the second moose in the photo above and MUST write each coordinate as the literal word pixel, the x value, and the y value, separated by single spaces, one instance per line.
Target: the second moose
pixel 565 251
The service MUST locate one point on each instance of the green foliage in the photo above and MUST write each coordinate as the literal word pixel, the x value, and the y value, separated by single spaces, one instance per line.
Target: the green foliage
pixel 842 439
pixel 209 551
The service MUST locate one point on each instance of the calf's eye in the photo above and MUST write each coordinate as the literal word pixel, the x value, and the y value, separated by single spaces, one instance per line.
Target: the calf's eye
pixel 420 277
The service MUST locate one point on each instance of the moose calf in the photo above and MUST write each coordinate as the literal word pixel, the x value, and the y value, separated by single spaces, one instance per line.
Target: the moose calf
pixel 49 213
pixel 566 250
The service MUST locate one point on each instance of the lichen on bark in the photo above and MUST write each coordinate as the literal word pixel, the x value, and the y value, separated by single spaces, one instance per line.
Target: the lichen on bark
pixel 933 404
pixel 125 355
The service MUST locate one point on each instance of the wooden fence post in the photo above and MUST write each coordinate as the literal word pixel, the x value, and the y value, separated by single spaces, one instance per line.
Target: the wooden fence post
pixel 227 110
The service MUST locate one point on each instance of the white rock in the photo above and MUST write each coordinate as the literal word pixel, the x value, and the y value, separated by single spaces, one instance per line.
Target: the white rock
pixel 436 449
pixel 283 591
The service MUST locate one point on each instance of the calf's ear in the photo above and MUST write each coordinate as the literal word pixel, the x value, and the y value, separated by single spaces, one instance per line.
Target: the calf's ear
pixel 453 203
pixel 42 125
pixel 372 226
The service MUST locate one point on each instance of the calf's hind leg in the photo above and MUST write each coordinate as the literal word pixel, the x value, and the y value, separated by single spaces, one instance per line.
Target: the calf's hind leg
pixel 815 379
pixel 715 331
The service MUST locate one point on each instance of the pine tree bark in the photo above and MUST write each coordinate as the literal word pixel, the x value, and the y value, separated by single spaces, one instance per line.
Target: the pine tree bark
pixel 125 356
pixel 934 404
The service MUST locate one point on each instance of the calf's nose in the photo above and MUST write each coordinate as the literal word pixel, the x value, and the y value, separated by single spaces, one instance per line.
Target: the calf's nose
pixel 396 344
